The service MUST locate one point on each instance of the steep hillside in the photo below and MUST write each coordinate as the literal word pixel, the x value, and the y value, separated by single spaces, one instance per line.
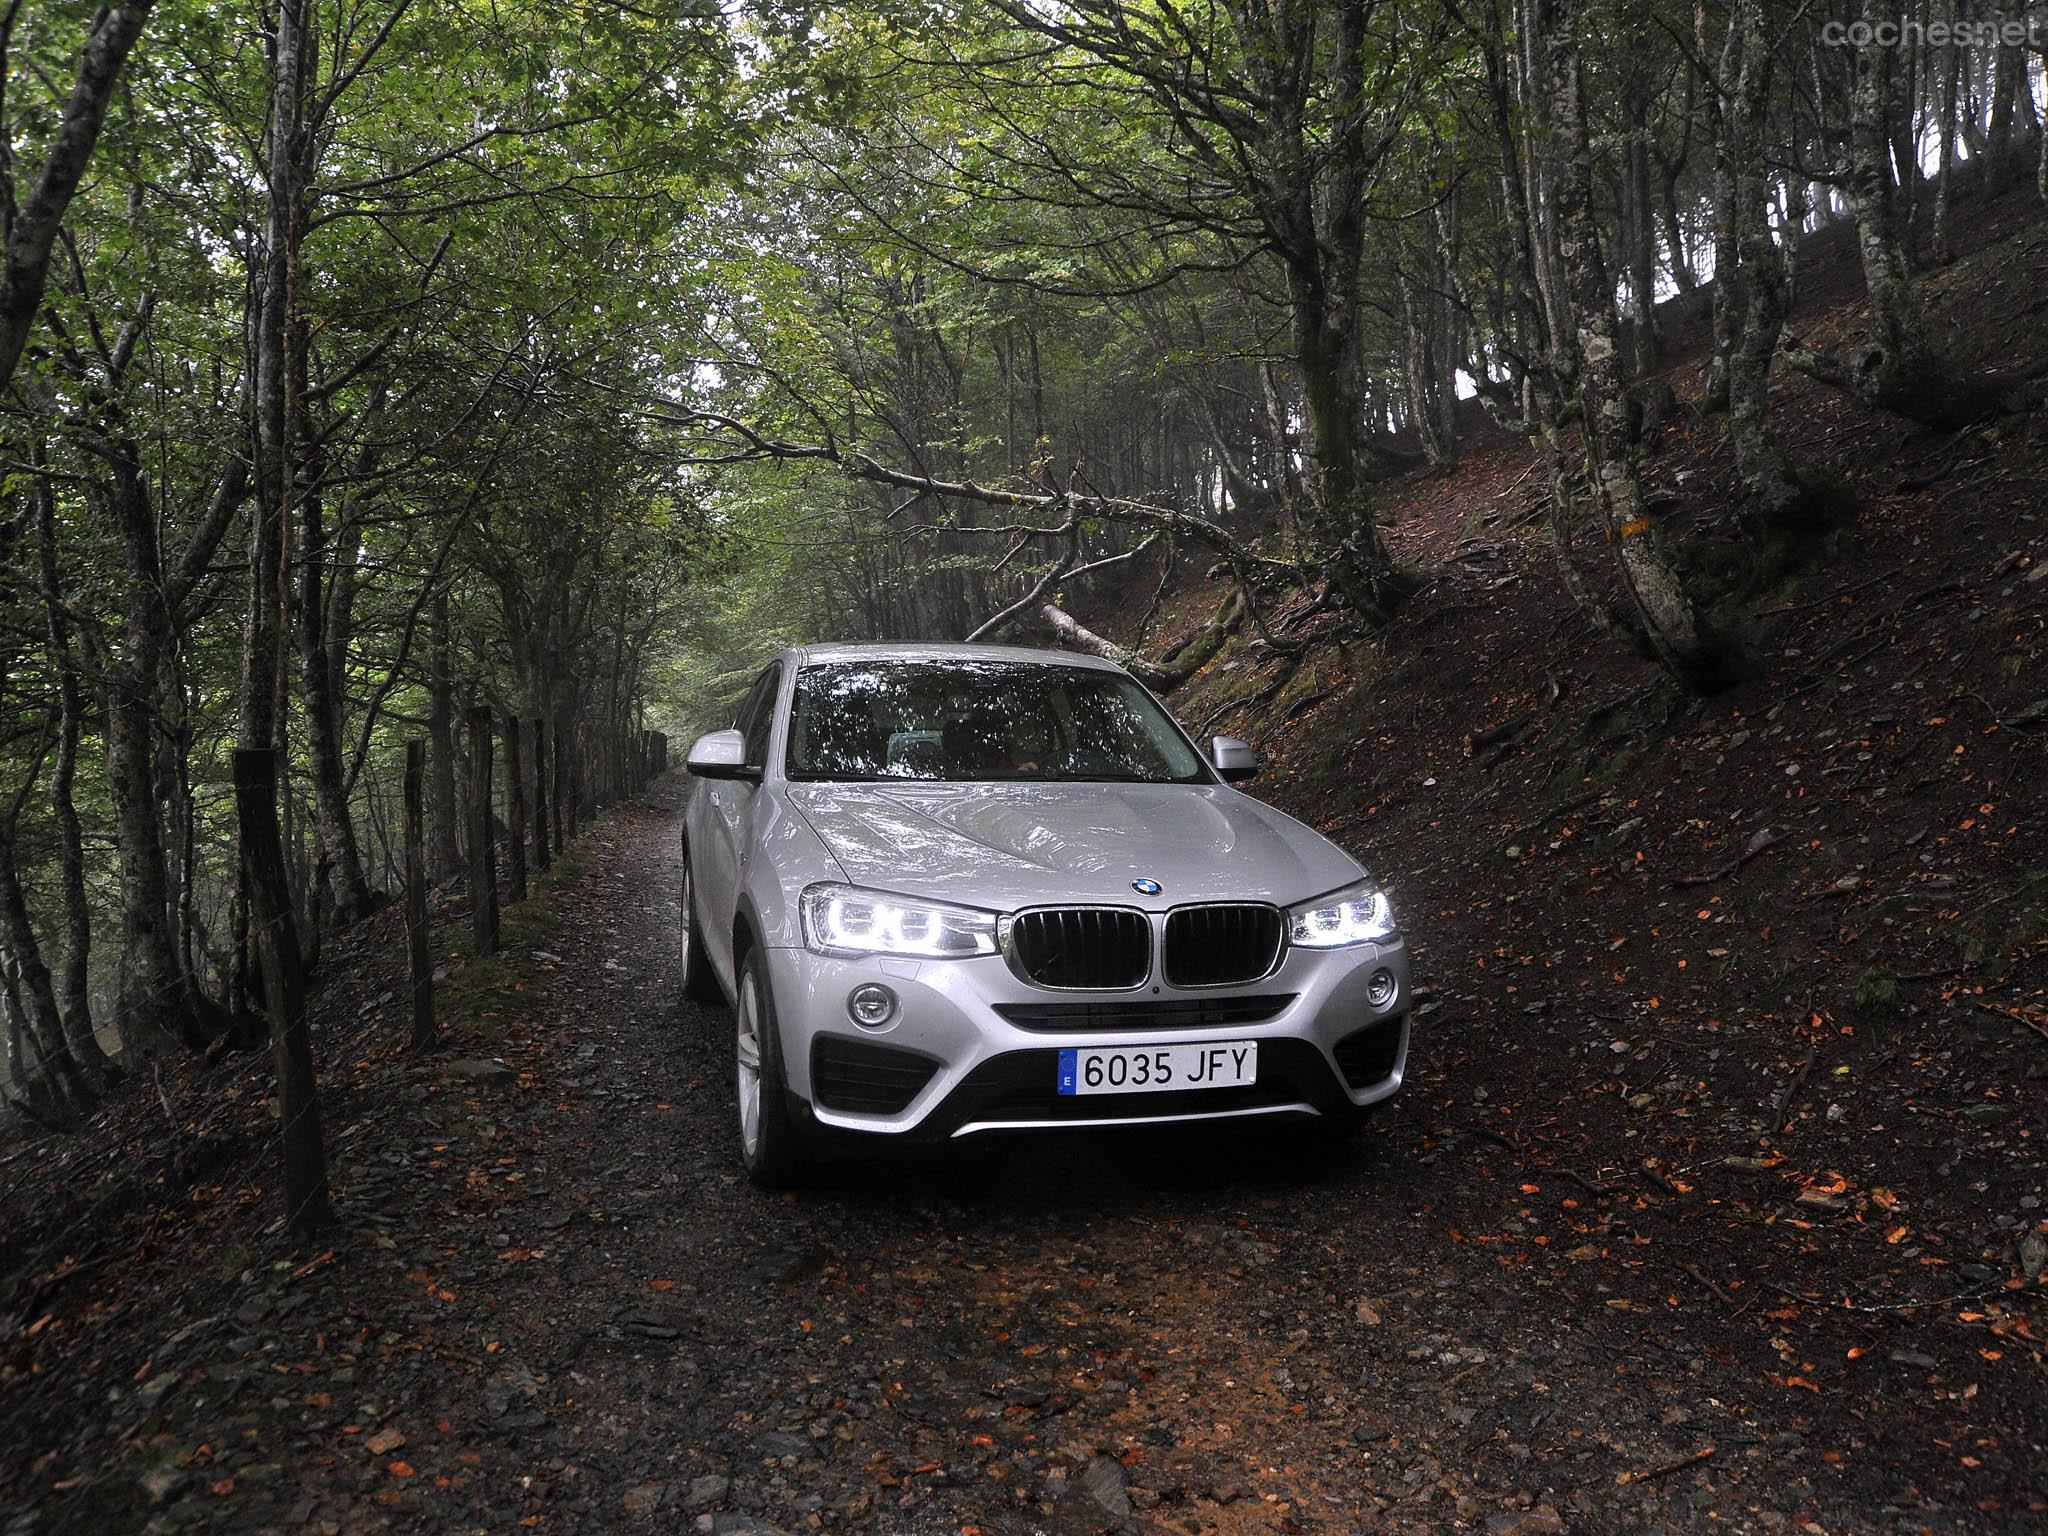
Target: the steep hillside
pixel 1772 968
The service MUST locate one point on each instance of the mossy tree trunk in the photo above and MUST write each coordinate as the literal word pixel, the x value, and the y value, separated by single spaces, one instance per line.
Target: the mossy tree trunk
pixel 1669 625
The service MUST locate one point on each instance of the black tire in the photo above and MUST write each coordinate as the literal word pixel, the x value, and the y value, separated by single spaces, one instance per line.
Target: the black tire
pixel 775 1156
pixel 700 982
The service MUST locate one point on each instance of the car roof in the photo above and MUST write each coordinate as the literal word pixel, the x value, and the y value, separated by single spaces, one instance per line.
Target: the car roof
pixel 901 650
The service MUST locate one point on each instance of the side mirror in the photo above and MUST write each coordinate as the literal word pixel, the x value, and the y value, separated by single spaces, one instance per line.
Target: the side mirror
pixel 1233 759
pixel 721 755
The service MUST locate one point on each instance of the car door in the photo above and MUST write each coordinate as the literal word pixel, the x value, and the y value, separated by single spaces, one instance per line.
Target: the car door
pixel 718 854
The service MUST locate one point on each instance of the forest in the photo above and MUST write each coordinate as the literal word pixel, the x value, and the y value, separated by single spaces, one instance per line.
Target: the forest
pixel 418 420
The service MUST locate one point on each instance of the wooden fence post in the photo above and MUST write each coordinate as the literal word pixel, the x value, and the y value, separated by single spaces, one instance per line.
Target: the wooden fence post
pixel 416 896
pixel 276 942
pixel 586 777
pixel 540 795
pixel 555 782
pixel 483 855
pixel 515 811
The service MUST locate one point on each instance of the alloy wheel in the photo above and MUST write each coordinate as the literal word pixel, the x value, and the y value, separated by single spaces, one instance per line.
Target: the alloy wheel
pixel 747 1053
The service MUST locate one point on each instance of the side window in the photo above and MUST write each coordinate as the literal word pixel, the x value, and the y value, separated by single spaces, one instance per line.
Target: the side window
pixel 743 717
pixel 757 717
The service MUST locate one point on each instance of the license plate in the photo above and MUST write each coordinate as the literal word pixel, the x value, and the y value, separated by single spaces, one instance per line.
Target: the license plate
pixel 1159 1068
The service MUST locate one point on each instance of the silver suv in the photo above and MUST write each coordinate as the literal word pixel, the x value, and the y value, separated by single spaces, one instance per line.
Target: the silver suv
pixel 960 889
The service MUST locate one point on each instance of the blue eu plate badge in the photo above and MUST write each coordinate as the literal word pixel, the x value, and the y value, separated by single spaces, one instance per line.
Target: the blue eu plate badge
pixel 1069 1072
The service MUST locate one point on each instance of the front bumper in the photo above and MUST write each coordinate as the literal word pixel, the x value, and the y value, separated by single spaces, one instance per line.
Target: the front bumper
pixel 950 1063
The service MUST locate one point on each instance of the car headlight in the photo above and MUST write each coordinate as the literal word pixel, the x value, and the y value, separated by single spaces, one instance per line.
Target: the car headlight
pixel 844 920
pixel 1359 914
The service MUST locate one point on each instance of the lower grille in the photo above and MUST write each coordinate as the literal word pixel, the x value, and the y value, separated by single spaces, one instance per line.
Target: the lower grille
pixel 1191 1013
pixel 1105 948
pixel 1023 1086
pixel 1367 1056
pixel 862 1078
pixel 1221 945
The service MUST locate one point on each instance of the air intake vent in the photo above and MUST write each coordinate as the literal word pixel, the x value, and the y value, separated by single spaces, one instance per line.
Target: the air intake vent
pixel 862 1078
pixel 1222 945
pixel 1367 1055
pixel 1103 948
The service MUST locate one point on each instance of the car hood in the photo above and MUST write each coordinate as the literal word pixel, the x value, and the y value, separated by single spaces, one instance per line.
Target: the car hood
pixel 1006 846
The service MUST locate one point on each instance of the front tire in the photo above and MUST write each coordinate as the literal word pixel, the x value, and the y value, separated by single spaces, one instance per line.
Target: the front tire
pixel 700 982
pixel 770 1147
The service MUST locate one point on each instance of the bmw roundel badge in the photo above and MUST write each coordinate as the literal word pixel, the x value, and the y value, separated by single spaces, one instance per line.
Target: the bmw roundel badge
pixel 1146 887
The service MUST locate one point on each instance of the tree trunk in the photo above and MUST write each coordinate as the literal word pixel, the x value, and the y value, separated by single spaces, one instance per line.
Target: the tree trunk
pixel 1898 368
pixel 278 339
pixel 515 810
pixel 1340 511
pixel 1902 91
pixel 1951 68
pixel 1756 284
pixel 306 1206
pixel 2008 80
pixel 1162 677
pixel 541 850
pixel 443 856
pixel 1670 628
pixel 155 999
pixel 74 993
pixel 419 959
pixel 579 774
pixel 31 228
pixel 483 861
pixel 1680 263
pixel 558 785
pixel 58 1071
pixel 334 824
pixel 1797 207
pixel 1639 228
pixel 1721 196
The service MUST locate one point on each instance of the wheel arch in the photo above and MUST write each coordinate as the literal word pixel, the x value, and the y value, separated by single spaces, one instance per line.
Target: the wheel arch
pixel 746 934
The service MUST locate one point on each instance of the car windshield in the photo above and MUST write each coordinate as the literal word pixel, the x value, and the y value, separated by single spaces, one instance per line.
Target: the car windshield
pixel 951 721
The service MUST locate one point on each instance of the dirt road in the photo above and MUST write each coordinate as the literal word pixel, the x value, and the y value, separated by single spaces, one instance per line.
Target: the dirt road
pixel 559 1308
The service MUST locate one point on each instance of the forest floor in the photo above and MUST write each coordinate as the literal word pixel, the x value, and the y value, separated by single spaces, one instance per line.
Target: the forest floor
pixel 1714 1201
pixel 555 1305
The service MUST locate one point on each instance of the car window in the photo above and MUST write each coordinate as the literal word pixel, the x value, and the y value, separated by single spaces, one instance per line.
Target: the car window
pixel 982 720
pixel 743 716
pixel 757 715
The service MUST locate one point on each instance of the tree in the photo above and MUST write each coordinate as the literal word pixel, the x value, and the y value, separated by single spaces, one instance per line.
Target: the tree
pixel 1610 413
pixel 29 225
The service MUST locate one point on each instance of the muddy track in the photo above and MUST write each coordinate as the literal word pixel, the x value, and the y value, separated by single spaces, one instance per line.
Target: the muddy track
pixel 560 1308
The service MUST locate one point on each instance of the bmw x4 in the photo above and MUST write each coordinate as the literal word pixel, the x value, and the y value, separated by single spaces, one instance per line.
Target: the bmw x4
pixel 955 890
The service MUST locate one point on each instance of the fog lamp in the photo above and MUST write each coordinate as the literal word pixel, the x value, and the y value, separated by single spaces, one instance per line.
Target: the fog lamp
pixel 1380 988
pixel 871 1005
